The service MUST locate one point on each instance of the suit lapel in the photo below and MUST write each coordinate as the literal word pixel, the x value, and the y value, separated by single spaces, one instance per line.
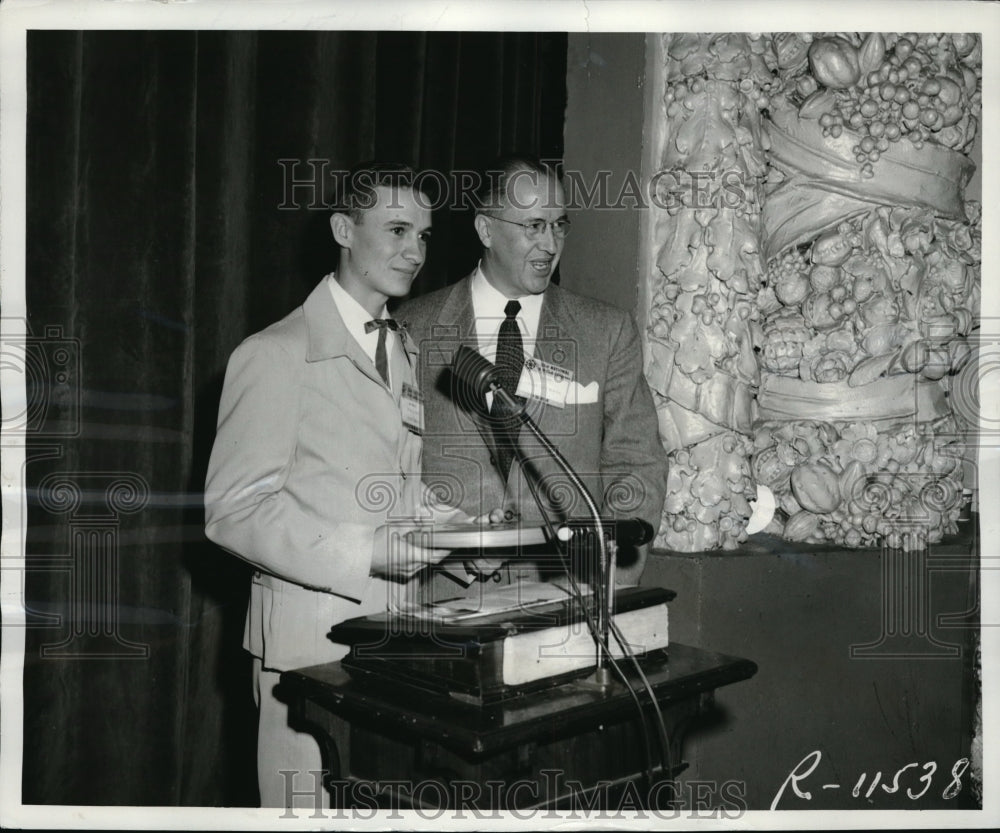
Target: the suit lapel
pixel 410 351
pixel 328 337
pixel 551 330
pixel 455 319
pixel 456 325
pixel 556 343
pixel 400 363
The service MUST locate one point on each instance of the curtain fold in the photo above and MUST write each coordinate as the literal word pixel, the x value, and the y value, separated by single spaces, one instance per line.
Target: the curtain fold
pixel 163 227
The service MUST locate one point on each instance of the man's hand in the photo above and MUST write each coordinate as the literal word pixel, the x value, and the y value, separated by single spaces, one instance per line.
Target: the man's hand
pixel 486 567
pixel 483 568
pixel 494 516
pixel 399 556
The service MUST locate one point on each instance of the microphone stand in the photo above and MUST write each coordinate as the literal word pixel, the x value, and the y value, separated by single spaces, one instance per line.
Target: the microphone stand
pixel 606 563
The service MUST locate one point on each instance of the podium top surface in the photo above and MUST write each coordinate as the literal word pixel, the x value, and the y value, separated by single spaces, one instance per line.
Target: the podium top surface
pixel 500 614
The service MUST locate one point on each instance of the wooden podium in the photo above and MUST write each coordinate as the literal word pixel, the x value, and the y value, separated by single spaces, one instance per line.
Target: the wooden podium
pixel 566 745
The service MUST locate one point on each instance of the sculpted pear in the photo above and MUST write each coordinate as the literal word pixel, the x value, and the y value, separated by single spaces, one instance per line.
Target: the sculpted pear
pixel 834 63
pixel 815 487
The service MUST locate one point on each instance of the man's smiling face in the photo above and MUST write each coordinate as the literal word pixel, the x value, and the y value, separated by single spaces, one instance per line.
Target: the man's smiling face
pixel 513 262
pixel 385 247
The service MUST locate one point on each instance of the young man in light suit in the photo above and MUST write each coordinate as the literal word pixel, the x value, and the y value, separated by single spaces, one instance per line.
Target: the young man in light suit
pixel 603 421
pixel 316 463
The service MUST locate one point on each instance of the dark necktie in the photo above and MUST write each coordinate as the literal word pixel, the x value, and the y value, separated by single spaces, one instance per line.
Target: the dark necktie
pixel 381 357
pixel 510 361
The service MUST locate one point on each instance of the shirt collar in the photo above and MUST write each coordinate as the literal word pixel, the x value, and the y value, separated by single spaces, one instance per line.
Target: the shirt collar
pixel 348 305
pixel 355 316
pixel 488 301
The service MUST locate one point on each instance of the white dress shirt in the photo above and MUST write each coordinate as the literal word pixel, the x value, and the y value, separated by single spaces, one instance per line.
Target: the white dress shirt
pixel 356 316
pixel 488 308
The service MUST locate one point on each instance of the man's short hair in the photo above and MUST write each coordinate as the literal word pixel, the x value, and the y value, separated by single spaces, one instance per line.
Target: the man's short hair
pixel 492 192
pixel 357 191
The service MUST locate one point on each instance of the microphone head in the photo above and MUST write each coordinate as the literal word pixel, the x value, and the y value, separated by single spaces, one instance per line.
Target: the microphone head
pixel 626 531
pixel 642 532
pixel 475 371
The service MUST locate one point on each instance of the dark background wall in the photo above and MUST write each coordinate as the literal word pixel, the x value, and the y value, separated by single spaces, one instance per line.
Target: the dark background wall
pixel 605 93
pixel 864 656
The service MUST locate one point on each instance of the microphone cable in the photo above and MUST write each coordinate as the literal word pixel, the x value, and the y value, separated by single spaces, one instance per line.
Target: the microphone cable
pixel 664 736
pixel 591 622
pixel 476 371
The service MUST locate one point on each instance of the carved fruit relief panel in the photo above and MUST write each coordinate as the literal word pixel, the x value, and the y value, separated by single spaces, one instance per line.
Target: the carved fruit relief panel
pixel 824 342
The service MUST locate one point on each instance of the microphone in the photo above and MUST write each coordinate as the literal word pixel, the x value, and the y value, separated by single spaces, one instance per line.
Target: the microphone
pixel 627 531
pixel 482 377
pixel 634 531
pixel 475 371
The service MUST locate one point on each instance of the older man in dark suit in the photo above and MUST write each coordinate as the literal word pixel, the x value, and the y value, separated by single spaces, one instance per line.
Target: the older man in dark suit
pixel 576 362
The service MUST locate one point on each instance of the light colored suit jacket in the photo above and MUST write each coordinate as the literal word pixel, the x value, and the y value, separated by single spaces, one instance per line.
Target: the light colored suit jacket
pixel 310 456
pixel 612 441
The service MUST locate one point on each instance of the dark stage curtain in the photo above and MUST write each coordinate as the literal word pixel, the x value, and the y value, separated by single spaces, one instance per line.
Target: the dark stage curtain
pixel 160 233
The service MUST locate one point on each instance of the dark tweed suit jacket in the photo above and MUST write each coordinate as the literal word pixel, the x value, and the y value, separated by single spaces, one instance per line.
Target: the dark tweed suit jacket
pixel 611 441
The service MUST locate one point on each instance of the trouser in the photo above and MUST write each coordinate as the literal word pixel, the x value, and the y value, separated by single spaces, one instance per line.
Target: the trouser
pixel 290 766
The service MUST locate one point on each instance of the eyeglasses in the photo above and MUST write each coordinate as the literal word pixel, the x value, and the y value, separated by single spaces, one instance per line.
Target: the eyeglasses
pixel 536 228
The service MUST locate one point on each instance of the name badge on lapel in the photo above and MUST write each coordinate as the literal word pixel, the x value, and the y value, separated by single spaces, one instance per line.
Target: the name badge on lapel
pixel 547 382
pixel 411 406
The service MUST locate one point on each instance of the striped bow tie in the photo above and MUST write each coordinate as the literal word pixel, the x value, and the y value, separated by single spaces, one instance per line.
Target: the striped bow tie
pixel 382 324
